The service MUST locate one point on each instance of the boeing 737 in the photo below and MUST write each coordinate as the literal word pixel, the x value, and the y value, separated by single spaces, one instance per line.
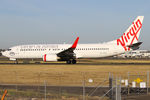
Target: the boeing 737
pixel 69 53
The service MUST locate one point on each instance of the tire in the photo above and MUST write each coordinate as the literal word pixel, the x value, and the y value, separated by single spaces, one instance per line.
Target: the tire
pixel 68 61
pixel 74 61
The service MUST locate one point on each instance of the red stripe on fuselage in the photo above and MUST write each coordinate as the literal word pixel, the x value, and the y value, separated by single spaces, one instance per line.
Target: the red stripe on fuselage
pixel 45 57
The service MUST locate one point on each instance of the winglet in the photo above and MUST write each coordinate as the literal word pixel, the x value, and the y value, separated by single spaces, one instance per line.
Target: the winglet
pixel 75 43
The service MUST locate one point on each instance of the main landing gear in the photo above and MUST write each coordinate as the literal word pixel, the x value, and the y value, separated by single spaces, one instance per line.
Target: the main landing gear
pixel 71 61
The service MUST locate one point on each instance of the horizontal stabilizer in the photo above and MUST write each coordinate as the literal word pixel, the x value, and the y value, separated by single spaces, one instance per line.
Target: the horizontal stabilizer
pixel 135 46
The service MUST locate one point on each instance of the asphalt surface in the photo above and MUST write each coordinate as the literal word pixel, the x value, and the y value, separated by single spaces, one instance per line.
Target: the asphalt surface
pixel 79 62
pixel 75 64
pixel 78 90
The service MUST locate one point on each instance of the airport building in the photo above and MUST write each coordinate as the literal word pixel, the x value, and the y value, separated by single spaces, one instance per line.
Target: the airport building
pixel 135 54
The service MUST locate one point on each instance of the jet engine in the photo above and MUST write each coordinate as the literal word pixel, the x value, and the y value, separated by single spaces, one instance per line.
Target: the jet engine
pixel 50 57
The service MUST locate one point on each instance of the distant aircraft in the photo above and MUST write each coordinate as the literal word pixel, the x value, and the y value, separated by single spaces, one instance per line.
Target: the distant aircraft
pixel 69 53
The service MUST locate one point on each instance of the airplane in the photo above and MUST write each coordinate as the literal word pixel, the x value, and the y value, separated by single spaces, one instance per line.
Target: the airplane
pixel 70 53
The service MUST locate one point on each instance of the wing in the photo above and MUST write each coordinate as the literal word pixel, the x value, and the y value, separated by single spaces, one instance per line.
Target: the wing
pixel 69 53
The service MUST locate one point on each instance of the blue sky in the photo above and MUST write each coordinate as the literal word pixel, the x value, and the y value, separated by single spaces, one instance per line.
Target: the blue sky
pixel 59 21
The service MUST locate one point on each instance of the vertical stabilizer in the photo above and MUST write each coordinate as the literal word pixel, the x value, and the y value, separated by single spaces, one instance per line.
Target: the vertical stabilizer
pixel 131 35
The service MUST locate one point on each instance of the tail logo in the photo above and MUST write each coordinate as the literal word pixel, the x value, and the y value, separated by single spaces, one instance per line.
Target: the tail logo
pixel 131 34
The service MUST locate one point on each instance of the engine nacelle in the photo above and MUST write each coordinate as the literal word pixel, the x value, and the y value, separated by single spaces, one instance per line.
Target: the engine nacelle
pixel 50 57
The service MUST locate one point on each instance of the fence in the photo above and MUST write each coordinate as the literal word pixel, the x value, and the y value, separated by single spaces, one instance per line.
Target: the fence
pixel 55 87
pixel 61 86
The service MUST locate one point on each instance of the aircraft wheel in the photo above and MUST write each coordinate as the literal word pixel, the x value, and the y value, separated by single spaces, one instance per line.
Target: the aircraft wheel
pixel 74 61
pixel 68 61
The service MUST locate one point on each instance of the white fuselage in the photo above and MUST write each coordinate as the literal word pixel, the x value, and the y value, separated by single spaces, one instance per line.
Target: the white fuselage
pixel 82 50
